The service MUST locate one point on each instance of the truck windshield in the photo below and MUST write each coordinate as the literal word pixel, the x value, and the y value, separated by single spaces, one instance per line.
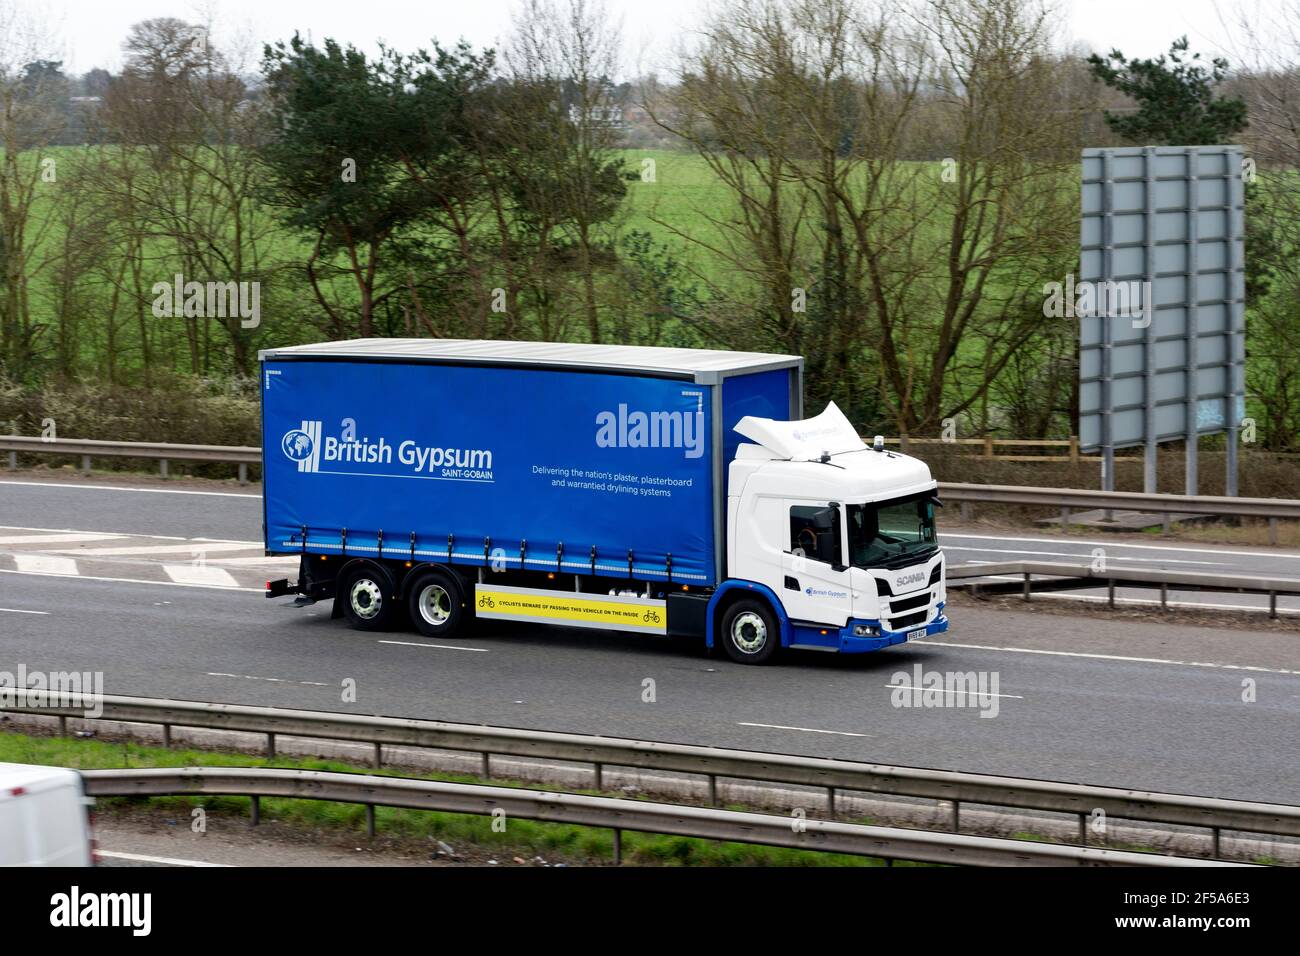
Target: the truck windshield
pixel 892 533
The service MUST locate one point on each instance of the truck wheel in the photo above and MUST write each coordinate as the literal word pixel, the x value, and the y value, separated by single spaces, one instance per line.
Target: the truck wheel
pixel 436 605
pixel 365 606
pixel 750 634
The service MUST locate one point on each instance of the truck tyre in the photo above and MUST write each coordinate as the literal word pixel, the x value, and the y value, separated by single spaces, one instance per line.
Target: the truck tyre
pixel 366 604
pixel 750 634
pixel 436 604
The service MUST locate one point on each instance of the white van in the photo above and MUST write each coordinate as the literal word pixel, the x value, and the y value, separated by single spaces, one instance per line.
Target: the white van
pixel 44 817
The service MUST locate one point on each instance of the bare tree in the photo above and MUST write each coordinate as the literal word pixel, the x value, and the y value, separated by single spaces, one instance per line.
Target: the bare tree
pixel 899 185
pixel 562 61
pixel 31 118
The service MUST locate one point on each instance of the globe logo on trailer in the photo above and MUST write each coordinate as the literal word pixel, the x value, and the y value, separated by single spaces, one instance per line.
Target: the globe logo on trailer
pixel 297 445
pixel 302 445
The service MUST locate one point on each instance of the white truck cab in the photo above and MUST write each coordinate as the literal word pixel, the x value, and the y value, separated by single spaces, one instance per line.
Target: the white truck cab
pixel 840 533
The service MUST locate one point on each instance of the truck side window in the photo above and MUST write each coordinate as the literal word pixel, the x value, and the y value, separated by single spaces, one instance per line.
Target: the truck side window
pixel 815 532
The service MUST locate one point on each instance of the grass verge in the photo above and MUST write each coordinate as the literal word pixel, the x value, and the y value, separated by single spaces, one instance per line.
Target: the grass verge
pixel 409 828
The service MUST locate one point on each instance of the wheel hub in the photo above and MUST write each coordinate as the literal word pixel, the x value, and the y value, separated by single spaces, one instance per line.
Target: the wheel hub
pixel 435 604
pixel 366 599
pixel 748 632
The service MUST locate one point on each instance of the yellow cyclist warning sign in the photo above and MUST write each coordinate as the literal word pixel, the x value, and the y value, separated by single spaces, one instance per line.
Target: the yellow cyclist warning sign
pixel 572 609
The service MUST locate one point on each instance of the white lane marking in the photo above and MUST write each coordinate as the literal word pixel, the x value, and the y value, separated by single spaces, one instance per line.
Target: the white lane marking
pixel 160 860
pixel 1113 657
pixel 1268 553
pixel 1075 554
pixel 45 564
pixel 111 534
pixel 148 491
pixel 806 730
pixel 58 538
pixel 271 680
pixel 92 577
pixel 921 688
pixel 445 647
pixel 14 610
pixel 200 574
pixel 203 546
pixel 260 561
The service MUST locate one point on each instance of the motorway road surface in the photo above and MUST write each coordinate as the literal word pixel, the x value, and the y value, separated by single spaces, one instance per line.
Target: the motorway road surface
pixel 1159 706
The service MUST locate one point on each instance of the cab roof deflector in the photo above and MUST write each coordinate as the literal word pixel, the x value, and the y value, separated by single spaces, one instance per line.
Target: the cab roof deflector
pixel 807 440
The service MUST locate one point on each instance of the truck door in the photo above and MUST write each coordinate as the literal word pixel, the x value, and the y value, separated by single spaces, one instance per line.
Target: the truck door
pixel 816 586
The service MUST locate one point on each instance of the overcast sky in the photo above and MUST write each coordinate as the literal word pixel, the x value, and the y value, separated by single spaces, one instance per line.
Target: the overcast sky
pixel 88 33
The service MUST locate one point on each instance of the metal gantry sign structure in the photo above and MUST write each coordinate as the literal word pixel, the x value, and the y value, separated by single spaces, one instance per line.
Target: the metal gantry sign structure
pixel 1161 298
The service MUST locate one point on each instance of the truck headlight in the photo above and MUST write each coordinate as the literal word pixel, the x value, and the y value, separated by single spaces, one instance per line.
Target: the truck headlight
pixel 864 630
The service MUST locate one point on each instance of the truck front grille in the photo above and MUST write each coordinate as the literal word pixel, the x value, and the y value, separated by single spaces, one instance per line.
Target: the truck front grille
pixel 908 603
pixel 908 620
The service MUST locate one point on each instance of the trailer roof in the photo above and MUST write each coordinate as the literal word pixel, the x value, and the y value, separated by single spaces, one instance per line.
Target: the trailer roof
pixel 703 366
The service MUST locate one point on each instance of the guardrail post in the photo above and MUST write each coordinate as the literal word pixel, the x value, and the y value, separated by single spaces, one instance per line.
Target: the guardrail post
pixel 1074 449
pixel 1272 605
pixel 956 816
pixel 618 847
pixel 1214 843
pixel 13 460
pixel 988 447
pixel 63 726
pixel 1272 527
pixel 1110 592
pixel 255 815
pixel 370 820
pixel 85 463
pixel 270 746
pixel 1083 829
pixel 600 775
pixel 830 802
pixel 243 473
pixel 1065 519
pixel 162 467
pixel 167 736
pixel 965 511
pixel 713 790
pixel 379 755
pixel 1164 596
pixel 485 770
pixel 1026 586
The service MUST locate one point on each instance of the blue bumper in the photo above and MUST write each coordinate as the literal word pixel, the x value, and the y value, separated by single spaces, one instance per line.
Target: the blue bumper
pixel 846 642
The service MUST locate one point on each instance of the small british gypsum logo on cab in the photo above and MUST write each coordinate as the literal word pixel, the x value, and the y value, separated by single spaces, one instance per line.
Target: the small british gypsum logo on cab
pixel 823 592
